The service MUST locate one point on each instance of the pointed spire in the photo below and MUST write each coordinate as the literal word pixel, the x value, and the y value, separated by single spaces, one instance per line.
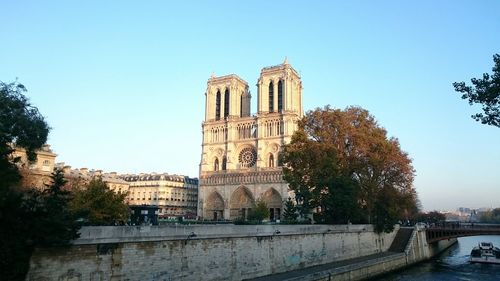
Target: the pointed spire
pixel 286 60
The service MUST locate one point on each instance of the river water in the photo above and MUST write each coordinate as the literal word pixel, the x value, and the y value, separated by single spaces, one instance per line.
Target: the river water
pixel 452 264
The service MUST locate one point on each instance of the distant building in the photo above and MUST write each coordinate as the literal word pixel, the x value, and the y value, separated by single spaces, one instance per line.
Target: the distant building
pixel 170 196
pixel 80 177
pixel 36 174
pixel 174 195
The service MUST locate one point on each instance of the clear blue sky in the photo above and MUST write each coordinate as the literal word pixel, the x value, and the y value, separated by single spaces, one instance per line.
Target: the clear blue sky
pixel 122 83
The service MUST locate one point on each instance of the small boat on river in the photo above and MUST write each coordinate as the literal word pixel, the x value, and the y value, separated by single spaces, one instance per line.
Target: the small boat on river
pixel 485 252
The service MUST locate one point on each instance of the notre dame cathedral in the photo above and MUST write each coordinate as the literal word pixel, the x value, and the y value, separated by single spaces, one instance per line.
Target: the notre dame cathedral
pixel 240 152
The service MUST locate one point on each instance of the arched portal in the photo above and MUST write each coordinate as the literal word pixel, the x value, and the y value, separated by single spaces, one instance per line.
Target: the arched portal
pixel 274 203
pixel 214 207
pixel 241 203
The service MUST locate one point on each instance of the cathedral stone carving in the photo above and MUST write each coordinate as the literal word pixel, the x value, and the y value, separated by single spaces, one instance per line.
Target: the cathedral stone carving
pixel 239 162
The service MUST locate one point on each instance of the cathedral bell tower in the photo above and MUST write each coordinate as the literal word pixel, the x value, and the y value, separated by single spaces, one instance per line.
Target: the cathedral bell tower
pixel 226 97
pixel 279 90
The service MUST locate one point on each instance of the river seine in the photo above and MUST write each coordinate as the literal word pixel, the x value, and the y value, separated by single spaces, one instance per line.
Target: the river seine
pixel 452 264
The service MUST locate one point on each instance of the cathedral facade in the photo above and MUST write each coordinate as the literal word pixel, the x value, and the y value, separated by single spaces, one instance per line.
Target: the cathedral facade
pixel 240 152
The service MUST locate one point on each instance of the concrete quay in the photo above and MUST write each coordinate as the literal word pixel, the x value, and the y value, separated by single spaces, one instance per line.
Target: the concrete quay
pixel 232 252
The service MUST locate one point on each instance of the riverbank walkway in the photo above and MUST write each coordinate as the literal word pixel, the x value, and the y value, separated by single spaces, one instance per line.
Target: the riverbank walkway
pixel 330 269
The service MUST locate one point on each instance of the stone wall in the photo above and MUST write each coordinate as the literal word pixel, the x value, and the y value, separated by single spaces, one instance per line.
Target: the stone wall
pixel 419 250
pixel 207 252
pixel 416 251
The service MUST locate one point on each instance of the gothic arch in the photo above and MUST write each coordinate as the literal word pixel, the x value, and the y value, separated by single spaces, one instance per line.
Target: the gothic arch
pixel 272 198
pixel 214 206
pixel 271 161
pixel 216 164
pixel 274 203
pixel 241 202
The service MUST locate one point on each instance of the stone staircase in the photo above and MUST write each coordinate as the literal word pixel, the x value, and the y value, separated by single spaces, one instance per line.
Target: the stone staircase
pixel 401 240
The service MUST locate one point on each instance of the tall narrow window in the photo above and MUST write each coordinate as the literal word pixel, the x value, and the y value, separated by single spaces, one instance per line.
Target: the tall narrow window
pixel 271 97
pixel 271 160
pixel 224 163
pixel 217 106
pixel 280 96
pixel 216 164
pixel 226 103
pixel 241 106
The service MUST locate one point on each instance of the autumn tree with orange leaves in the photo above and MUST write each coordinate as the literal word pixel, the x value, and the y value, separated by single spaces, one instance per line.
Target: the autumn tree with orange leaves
pixel 342 165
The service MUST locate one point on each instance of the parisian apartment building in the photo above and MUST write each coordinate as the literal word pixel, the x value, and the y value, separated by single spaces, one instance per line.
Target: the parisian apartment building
pixel 173 196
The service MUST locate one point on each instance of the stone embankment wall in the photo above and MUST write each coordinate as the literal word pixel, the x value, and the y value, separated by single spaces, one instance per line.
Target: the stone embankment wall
pixel 417 250
pixel 202 252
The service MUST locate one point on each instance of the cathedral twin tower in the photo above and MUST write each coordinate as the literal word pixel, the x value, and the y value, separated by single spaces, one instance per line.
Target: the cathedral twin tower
pixel 240 152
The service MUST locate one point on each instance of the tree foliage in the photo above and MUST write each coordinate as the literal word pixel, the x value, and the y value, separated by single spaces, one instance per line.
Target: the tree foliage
pixel 341 162
pixel 29 217
pixel 492 216
pixel 485 91
pixel 21 125
pixel 290 211
pixel 57 224
pixel 259 212
pixel 433 217
pixel 96 204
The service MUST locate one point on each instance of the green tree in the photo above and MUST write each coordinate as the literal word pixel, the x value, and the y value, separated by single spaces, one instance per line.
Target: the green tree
pixel 485 91
pixel 340 204
pixel 57 224
pixel 259 212
pixel 96 204
pixel 492 216
pixel 22 126
pixel 432 217
pixel 386 209
pixel 290 211
pixel 340 160
pixel 308 166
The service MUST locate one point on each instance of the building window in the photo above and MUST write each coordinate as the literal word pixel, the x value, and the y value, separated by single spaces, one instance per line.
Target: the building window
pixel 271 160
pixel 247 157
pixel 224 163
pixel 271 97
pixel 241 106
pixel 216 164
pixel 46 162
pixel 217 106
pixel 280 96
pixel 226 103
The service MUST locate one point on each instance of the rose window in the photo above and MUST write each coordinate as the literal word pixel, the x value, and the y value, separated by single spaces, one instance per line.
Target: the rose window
pixel 248 157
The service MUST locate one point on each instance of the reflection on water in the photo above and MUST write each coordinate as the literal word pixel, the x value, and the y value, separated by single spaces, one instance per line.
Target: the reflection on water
pixel 452 264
